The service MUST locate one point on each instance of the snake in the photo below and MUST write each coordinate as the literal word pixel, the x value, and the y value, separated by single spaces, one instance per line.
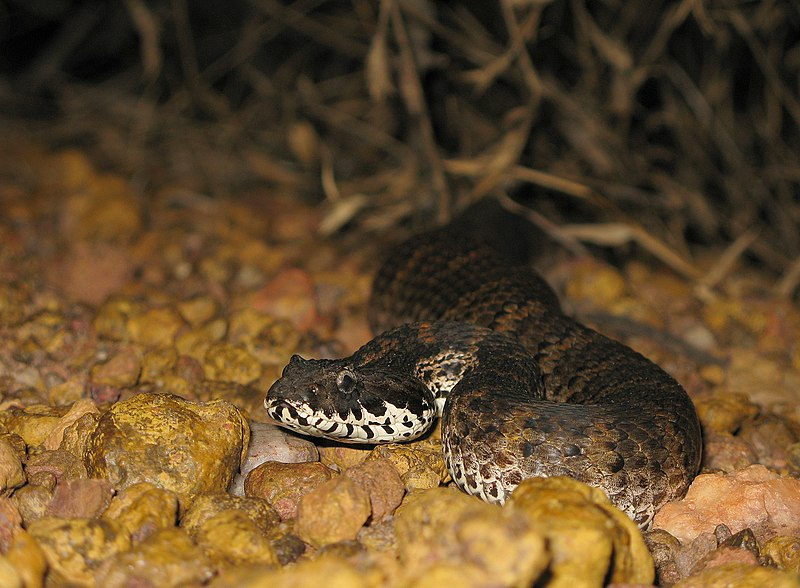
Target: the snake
pixel 522 389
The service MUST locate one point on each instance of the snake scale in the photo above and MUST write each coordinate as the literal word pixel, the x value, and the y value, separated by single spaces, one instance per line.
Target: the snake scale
pixel 522 389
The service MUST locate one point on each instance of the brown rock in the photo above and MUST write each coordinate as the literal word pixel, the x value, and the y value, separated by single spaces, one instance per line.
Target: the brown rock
pixel 173 443
pixel 121 370
pixel 741 576
pixel 325 571
pixel 383 484
pixel 751 498
pixel 271 443
pixel 290 295
pixel 33 423
pixel 143 509
pixel 333 511
pixel 725 452
pixel 770 435
pixel 342 457
pixel 10 523
pixel 282 485
pixel 60 464
pixel 168 558
pixel 80 499
pixel 90 272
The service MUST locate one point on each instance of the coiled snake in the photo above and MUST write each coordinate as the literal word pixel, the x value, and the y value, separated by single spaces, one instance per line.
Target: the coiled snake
pixel 522 389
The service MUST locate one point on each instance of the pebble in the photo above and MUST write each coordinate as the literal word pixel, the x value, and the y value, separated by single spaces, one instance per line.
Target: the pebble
pixel 382 483
pixel 271 443
pixel 168 558
pixel 420 465
pixel 229 363
pixel 143 509
pixel 445 537
pixel 283 485
pixel 80 498
pixel 333 511
pixel 753 498
pixel 154 327
pixel 232 538
pixel 173 443
pixel 74 547
pixel 11 472
pixel 784 552
pixel 591 541
pixel 27 559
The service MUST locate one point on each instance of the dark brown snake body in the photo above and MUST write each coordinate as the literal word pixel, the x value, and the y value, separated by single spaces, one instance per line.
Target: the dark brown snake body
pixel 529 391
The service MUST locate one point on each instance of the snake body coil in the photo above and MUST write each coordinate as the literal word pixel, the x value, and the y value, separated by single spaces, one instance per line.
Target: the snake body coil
pixel 523 390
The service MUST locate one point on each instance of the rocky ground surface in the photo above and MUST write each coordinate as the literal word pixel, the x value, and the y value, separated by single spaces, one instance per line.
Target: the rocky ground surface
pixel 142 324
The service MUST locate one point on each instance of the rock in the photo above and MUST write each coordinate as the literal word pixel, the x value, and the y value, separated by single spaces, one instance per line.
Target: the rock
pixel 75 547
pixel 154 327
pixel 420 465
pixel 232 538
pixel 90 272
pixel 31 501
pixel 590 540
pixel 752 498
pixel 271 443
pixel 121 370
pixel 10 523
pixel 33 423
pixel 198 310
pixel 226 362
pixel 173 443
pixel 80 498
pixel 11 473
pixel 741 576
pixel 333 511
pixel 27 559
pixel 445 537
pixel 289 295
pixel 282 485
pixel 143 509
pixel 770 435
pixel 60 464
pixel 341 457
pixel 75 438
pixel 168 558
pixel 75 412
pixel 784 552
pixel 382 483
pixel 725 413
pixel 325 571
pixel 9 577
pixel 207 506
pixel 722 451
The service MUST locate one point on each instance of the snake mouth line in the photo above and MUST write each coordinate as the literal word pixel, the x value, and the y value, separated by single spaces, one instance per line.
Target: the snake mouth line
pixel 302 418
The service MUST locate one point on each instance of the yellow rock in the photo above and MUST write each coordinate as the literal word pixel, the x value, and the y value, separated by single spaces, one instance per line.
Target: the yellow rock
pixel 154 327
pixel 170 442
pixel 11 474
pixel 446 536
pixel 591 541
pixel 9 577
pixel 326 571
pixel 420 465
pixel 33 423
pixel 226 362
pixel 142 509
pixel 232 538
pixel 74 548
pixel 28 559
pixel 784 551
pixel 166 559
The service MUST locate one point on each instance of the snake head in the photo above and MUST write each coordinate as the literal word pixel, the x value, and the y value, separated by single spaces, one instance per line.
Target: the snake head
pixel 334 399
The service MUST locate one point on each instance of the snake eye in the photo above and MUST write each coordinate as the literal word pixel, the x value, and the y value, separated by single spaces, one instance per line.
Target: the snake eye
pixel 346 382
